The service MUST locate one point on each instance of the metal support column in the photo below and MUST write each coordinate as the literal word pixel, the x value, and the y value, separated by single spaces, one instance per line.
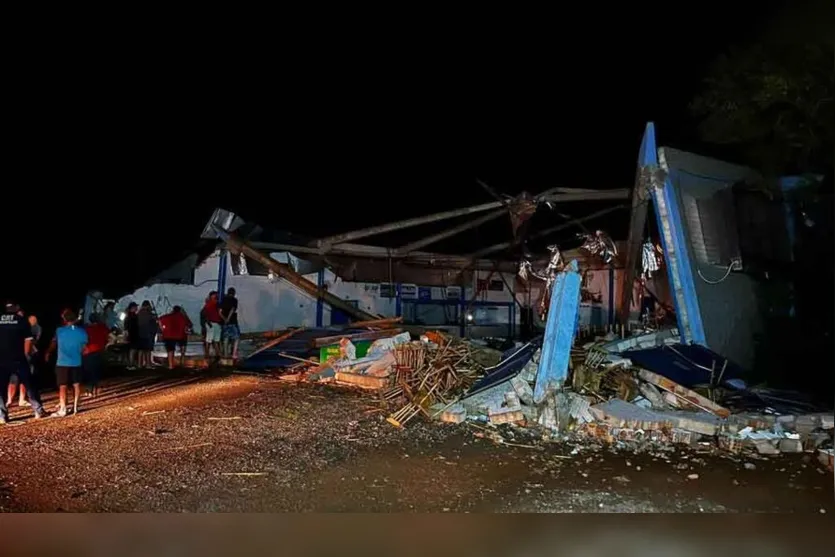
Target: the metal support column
pixel 320 303
pixel 398 302
pixel 222 270
pixel 612 297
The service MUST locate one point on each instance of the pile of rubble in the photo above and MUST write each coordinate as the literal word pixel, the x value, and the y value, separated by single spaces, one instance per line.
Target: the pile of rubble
pixel 643 390
pixel 612 400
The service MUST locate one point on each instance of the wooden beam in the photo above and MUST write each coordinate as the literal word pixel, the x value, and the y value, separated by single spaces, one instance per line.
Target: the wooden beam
pixel 601 195
pixel 632 253
pixel 505 245
pixel 367 335
pixel 326 243
pixel 408 248
pixel 238 245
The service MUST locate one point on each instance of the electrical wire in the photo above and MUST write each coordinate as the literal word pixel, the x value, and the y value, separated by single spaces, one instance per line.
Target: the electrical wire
pixel 727 274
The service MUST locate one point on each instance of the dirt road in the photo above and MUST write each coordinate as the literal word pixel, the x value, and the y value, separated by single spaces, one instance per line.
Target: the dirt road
pixel 207 443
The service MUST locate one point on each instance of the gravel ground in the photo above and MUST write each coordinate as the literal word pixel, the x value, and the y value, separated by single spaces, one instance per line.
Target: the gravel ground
pixel 241 443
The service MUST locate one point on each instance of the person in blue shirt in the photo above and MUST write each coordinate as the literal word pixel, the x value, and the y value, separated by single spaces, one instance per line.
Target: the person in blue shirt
pixel 69 341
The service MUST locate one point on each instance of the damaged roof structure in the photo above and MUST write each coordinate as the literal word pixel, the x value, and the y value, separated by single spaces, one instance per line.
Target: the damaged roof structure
pixel 285 280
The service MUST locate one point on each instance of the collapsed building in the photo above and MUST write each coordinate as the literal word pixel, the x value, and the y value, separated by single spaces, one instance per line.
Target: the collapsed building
pixel 394 319
pixel 468 295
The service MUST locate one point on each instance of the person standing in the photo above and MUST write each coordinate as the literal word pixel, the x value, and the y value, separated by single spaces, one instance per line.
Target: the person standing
pixel 175 327
pixel 147 323
pixel 31 357
pixel 98 335
pixel 210 317
pixel 109 317
pixel 231 332
pixel 69 342
pixel 132 330
pixel 15 344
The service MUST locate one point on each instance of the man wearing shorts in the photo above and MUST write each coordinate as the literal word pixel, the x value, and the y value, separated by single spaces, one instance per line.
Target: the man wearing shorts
pixel 210 316
pixel 231 332
pixel 175 326
pixel 15 344
pixel 14 380
pixel 69 341
pixel 148 326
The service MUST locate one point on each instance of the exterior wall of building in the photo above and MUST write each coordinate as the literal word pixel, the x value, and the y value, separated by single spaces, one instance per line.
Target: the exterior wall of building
pixel 268 304
pixel 730 309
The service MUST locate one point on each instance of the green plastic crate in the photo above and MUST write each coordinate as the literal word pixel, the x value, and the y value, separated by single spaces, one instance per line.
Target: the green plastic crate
pixel 332 350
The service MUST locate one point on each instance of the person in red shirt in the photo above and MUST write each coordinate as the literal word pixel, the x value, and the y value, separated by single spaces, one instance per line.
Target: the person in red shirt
pixel 210 321
pixel 175 327
pixel 98 336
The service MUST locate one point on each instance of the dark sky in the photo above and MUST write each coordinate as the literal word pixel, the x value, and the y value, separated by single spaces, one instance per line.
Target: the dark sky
pixel 119 161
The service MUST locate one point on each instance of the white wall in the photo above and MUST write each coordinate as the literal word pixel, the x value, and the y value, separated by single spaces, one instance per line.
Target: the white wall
pixel 263 304
pixel 266 305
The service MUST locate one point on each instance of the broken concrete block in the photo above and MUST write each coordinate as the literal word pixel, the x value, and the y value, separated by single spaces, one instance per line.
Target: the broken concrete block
pixel 528 373
pixel 652 394
pixel 548 416
pixel 455 414
pixel 480 403
pixel 697 422
pixel 523 389
pixel 790 446
pixel 579 409
pixel 814 440
pixel 619 413
pixel 730 443
pixel 806 423
pixel 766 446
pixel 506 417
pixel 531 413
pixel 684 437
pixel 511 400
pixel 787 421
pixel 757 422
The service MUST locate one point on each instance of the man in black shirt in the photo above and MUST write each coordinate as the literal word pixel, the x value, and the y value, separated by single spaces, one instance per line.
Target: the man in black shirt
pixel 15 345
pixel 231 332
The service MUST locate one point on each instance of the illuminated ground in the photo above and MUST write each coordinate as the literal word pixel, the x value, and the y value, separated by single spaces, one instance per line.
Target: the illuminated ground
pixel 243 443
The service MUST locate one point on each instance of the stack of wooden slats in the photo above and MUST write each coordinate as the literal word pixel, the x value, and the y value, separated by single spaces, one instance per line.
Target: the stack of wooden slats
pixel 428 374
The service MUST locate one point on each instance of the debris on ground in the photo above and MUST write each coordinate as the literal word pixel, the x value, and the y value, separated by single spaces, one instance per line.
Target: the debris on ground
pixel 641 392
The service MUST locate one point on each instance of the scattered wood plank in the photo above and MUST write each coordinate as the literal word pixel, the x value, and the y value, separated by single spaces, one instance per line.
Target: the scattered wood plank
pixel 277 340
pixel 368 335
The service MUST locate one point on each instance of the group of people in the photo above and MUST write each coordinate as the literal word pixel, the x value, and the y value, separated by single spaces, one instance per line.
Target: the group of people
pixel 79 357
pixel 80 348
pixel 218 324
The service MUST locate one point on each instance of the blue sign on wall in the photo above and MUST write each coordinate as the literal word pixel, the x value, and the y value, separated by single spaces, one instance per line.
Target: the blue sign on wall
pixel 424 293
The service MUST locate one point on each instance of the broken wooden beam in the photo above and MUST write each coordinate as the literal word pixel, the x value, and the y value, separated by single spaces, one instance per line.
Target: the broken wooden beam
pixel 368 335
pixel 238 245
pixel 273 342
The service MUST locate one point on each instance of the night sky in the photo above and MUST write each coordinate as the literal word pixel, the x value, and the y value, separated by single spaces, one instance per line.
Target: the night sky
pixel 120 163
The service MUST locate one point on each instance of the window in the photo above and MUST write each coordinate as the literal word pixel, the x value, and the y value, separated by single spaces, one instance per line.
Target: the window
pixel 712 225
pixel 242 265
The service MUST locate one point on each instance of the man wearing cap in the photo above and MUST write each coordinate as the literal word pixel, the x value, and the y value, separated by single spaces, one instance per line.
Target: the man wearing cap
pixel 15 345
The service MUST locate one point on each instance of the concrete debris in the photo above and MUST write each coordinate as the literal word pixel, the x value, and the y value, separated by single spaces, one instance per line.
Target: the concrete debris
pixel 523 390
pixel 605 398
pixel 825 457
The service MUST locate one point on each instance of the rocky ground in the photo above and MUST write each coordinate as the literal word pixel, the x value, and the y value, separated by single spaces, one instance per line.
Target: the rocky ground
pixel 211 442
